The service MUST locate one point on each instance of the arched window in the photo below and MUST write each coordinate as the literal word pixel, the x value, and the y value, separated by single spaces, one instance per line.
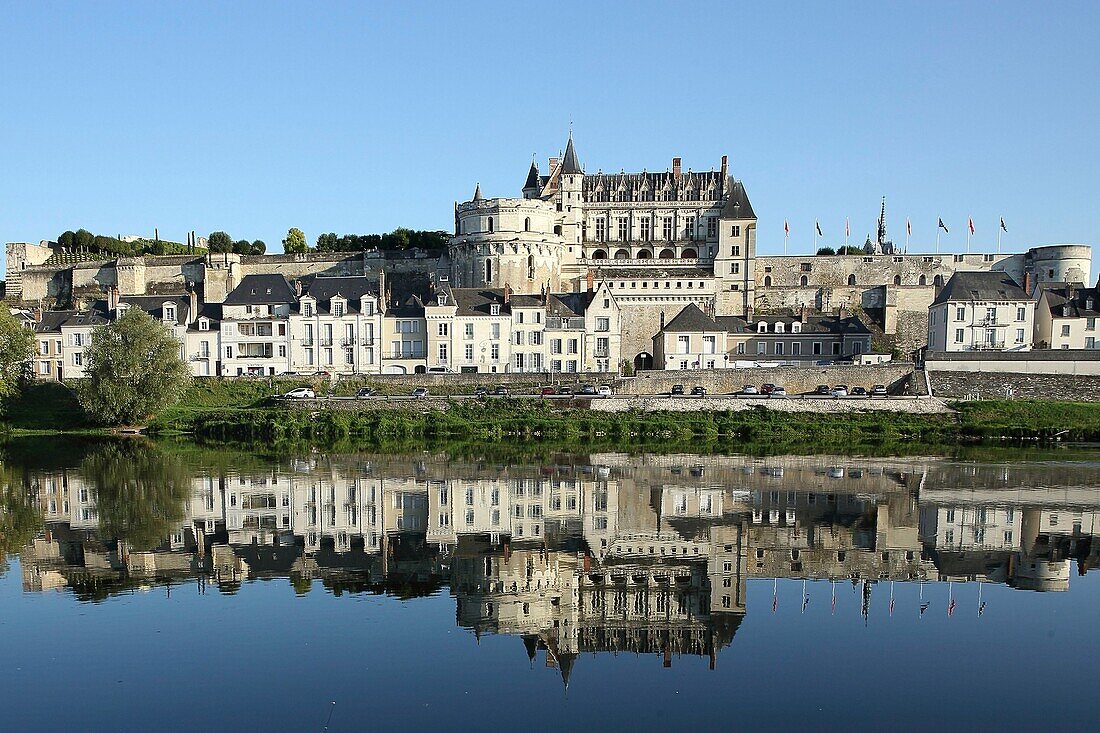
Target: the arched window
pixel 897 279
pixel 622 254
pixel 852 279
pixel 803 281
pixel 796 327
pixel 527 224
pixel 762 327
pixel 767 281
pixel 922 280
pixel 599 255
pixel 557 229
pixel 667 254
pixel 490 225
pixel 689 254
pixel 488 271
pixel 779 327
pixel 645 254
pixel 530 267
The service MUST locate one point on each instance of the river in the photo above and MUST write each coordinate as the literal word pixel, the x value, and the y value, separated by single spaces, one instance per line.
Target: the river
pixel 176 587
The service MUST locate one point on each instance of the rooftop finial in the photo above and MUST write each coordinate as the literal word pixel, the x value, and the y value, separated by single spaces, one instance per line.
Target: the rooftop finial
pixel 477 192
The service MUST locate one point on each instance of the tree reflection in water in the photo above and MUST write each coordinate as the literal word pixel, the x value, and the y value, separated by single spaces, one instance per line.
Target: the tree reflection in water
pixel 140 492
pixel 20 518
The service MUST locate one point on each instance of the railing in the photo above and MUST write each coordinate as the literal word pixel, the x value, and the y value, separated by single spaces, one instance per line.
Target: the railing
pixel 348 341
pixel 602 353
pixel 987 346
pixel 645 261
pixel 326 342
pixel 307 342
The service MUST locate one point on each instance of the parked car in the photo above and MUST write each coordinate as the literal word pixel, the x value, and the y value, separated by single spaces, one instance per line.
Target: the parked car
pixel 439 370
pixel 858 392
pixel 564 390
pixel 778 392
pixel 677 389
pixel 749 390
pixel 698 391
pixel 365 392
pixel 500 391
pixel 879 390
pixel 604 390
pixel 766 388
pixel 841 390
pixel 481 392
pixel 420 392
pixel 822 389
pixel 547 391
pixel 588 389
pixel 302 393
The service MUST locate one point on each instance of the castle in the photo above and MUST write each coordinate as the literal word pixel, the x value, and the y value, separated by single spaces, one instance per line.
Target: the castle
pixel 659 241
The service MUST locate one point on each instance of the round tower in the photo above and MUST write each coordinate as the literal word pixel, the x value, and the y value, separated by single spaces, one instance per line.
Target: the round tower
pixel 506 241
pixel 1060 263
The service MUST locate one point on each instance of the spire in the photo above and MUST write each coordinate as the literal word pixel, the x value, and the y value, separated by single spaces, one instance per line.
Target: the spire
pixel 532 177
pixel 565 665
pixel 477 192
pixel 569 163
pixel 882 224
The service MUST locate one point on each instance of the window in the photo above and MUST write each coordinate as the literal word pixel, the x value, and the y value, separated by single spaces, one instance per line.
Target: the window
pixel 762 348
pixel 444 329
pixel 78 359
pixel 1019 335
pixel 494 310
pixel 468 331
pixel 708 344
pixel 624 230
pixel 666 227
pixel 959 335
pixel 645 229
pixel 494 331
pixel 689 227
pixel 469 352
pixel 779 348
pixel 1065 330
pixel 960 314
pixel 443 352
pixel 169 313
pixel 572 346
pixel 735 230
pixel 712 227
pixel 338 308
pixel 1021 313
pixel 349 355
pixel 494 352
pixel 603 324
pixel 555 346
pixel 1090 324
pixel 817 348
pixel 601 229
pixel 852 279
pixel 489 275
pixel 682 344
pixel 490 225
pixel 1090 342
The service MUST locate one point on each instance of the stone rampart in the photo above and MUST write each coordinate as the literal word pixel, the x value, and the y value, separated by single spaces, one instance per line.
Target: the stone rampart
pixel 992 385
pixel 796 380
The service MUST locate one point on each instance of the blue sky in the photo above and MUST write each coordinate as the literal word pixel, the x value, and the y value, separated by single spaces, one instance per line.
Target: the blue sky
pixel 360 117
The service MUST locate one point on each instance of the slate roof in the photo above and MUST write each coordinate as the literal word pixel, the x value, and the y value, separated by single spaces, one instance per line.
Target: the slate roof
pixel 967 286
pixel 154 305
pixel 261 290
pixel 52 321
pixel 1058 296
pixel 737 205
pixel 691 319
pixel 478 302
pixel 353 288
pixel 211 311
pixel 533 178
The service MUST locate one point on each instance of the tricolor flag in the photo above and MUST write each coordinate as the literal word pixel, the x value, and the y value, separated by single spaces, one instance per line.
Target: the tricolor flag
pixel 970 223
pixel 951 608
pixel 847 228
pixel 786 229
pixel 943 226
pixel 818 225
pixel 908 227
pixel 1003 227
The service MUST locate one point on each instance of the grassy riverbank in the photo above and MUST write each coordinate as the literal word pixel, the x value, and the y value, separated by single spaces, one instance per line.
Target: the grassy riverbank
pixel 240 412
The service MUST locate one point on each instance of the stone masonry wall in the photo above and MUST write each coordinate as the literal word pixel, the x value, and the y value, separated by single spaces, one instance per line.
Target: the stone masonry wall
pixel 795 379
pixel 995 385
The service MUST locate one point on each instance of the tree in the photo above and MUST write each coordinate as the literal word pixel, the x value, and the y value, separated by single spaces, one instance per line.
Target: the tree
pixel 242 247
pixel 258 247
pixel 16 350
pixel 295 242
pixel 826 251
pixel 219 242
pixel 83 239
pixel 134 370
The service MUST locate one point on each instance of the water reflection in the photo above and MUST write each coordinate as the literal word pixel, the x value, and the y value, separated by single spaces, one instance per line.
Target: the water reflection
pixel 587 553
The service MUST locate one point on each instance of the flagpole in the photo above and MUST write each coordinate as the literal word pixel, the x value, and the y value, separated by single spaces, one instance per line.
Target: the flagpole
pixel 998 241
pixel 906 236
pixel 937 240
pixel 815 237
pixel 847 231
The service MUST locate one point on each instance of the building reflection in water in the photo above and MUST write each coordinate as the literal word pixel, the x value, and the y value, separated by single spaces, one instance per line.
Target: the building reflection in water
pixel 601 553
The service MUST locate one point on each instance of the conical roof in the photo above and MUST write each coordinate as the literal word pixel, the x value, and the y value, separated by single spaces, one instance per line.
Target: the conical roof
pixel 532 177
pixel 477 193
pixel 569 163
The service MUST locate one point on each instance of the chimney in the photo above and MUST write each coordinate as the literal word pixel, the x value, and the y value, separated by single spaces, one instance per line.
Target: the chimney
pixel 193 302
pixel 37 313
pixel 298 288
pixel 112 299
pixel 507 293
pixel 591 281
pixel 802 313
pixel 725 166
pixel 748 313
pixel 382 289
pixel 1027 283
pixel 676 169
pixel 553 165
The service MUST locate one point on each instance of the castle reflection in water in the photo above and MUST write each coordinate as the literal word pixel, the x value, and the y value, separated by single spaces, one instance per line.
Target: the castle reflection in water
pixel 591 553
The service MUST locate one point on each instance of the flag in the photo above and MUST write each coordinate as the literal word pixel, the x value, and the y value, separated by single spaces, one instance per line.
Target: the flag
pixel 943 226
pixel 951 608
pixel 1003 227
pixel 775 603
pixel 923 608
pixel 908 227
pixel 970 223
pixel 847 228
pixel 981 608
pixel 786 229
pixel 891 606
pixel 818 225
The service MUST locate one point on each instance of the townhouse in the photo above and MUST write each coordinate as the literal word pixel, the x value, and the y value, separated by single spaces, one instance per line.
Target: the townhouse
pixel 981 311
pixel 1066 316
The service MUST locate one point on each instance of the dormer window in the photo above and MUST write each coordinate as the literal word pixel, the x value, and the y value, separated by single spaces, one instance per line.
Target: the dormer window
pixel 337 308
pixel 169 312
pixel 368 307
pixel 307 308
pixel 779 328
pixel 442 299
pixel 204 324
pixel 796 327
pixel 761 327
pixel 494 309
pixel 1088 303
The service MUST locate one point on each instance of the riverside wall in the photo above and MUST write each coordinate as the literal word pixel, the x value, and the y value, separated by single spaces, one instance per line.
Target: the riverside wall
pixel 993 385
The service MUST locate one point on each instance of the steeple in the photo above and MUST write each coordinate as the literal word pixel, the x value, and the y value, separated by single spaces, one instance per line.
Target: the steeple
pixel 882 224
pixel 477 192
pixel 570 164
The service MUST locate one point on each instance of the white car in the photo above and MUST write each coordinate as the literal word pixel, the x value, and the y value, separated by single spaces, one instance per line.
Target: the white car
pixel 302 393
pixel 840 390
pixel 778 392
pixel 604 390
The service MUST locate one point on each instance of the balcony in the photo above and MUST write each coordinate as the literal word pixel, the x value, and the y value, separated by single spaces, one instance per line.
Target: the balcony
pixel 348 341
pixel 602 353
pixel 987 346
pixel 326 342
